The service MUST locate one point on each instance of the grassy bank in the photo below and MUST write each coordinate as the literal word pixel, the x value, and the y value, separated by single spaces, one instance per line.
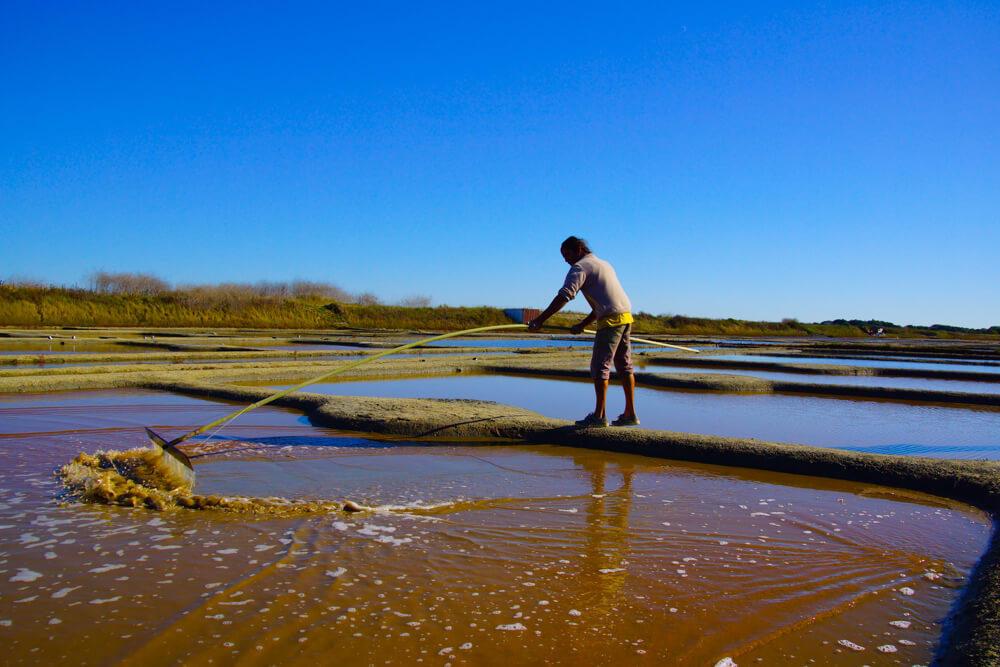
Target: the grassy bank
pixel 47 306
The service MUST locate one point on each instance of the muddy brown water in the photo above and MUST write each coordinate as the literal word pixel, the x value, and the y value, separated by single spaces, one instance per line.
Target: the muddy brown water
pixel 475 553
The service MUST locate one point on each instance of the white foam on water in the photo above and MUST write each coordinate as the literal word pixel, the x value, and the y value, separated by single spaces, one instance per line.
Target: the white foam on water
pixel 851 645
pixel 901 624
pixel 906 590
pixel 611 570
pixel 372 530
pixel 63 592
pixel 106 600
pixel 512 626
pixel 726 662
pixel 24 574
pixel 888 648
pixel 336 573
pixel 106 568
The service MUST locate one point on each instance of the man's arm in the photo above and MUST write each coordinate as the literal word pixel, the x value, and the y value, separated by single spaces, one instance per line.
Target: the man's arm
pixel 582 324
pixel 554 307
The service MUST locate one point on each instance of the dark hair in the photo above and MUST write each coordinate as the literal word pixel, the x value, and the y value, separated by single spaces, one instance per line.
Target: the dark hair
pixel 577 244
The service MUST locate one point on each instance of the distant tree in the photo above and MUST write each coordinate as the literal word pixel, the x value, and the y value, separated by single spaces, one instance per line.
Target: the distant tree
pixel 416 301
pixel 143 284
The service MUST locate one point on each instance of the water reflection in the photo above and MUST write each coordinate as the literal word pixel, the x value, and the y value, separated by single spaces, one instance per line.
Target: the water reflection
pixel 607 538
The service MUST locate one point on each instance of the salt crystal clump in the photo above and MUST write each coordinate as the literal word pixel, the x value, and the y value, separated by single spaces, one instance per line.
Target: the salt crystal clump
pixel 512 626
pixel 851 645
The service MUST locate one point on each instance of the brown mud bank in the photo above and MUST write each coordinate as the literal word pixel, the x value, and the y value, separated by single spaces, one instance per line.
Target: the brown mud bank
pixel 973 631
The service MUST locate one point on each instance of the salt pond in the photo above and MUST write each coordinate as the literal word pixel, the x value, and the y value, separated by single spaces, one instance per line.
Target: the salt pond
pixel 476 554
pixel 876 426
pixel 925 365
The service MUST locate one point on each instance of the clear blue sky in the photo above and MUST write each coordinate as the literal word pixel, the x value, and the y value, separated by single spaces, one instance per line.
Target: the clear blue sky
pixel 751 160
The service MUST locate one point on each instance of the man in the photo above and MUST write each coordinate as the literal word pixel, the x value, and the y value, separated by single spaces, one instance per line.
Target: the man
pixel 611 309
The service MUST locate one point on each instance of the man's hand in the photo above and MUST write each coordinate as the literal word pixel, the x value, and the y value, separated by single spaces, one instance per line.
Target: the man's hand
pixel 535 324
pixel 576 328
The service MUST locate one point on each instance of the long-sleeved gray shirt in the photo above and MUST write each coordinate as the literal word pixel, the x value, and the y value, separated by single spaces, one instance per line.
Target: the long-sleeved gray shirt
pixel 599 284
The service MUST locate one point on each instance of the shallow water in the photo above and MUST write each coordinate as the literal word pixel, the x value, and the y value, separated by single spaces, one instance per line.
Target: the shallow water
pixel 477 555
pixel 877 426
pixel 848 380
pixel 970 366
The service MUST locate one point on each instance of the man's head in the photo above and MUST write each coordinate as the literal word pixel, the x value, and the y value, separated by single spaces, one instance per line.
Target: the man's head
pixel 573 249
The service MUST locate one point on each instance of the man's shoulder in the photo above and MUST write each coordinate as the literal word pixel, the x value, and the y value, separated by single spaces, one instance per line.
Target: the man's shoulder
pixel 591 261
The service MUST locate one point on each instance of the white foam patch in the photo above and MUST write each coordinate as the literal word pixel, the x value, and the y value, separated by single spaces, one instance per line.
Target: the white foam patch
pixel 901 624
pixel 512 626
pixel 106 600
pixel 106 568
pixel 611 570
pixel 336 573
pixel 888 648
pixel 372 530
pixel 726 662
pixel 63 592
pixel 906 590
pixel 851 645
pixel 24 574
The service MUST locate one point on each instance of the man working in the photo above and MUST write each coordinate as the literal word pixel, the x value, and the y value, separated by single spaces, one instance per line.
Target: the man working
pixel 611 309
